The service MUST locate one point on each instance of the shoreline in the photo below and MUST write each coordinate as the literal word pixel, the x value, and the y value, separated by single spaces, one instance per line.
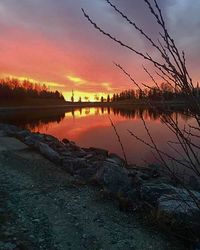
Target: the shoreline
pixel 134 189
pixel 168 104
pixel 44 207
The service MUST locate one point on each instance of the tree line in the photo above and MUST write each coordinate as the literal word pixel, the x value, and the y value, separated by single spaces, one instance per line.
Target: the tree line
pixel 11 88
pixel 164 92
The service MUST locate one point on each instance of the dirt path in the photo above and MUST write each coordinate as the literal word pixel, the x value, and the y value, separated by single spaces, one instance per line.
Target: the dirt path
pixel 42 208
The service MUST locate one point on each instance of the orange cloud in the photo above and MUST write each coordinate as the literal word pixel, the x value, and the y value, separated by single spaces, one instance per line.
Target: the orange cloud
pixel 77 80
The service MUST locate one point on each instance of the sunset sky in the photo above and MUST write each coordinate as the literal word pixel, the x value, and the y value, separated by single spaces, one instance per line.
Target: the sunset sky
pixel 50 41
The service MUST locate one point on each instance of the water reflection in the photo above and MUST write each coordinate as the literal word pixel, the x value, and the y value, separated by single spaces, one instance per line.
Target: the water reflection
pixel 149 113
pixel 91 127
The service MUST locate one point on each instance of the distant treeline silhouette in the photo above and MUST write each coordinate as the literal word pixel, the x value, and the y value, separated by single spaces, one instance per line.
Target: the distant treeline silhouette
pixel 33 120
pixel 11 88
pixel 164 93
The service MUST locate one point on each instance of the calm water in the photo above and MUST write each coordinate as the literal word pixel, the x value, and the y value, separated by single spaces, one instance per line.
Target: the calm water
pixel 91 127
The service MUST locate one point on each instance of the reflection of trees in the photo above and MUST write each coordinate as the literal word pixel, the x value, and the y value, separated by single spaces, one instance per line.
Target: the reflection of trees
pixel 73 114
pixel 80 111
pixel 32 120
pixel 40 119
pixel 109 110
pixel 152 114
pixel 97 111
pixel 103 109
pixel 87 111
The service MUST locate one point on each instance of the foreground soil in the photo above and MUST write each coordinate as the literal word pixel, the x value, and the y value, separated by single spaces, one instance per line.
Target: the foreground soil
pixel 42 207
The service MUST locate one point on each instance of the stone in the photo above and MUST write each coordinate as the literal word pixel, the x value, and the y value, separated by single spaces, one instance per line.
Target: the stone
pixel 113 161
pixel 89 156
pixel 48 152
pixel 10 130
pixel 113 178
pixel 117 159
pixel 71 165
pixel 74 147
pixel 2 133
pixel 65 141
pixel 182 206
pixel 50 138
pixel 194 183
pixel 33 139
pixel 86 174
pixel 7 246
pixel 80 153
pixel 66 154
pixel 9 143
pixel 99 151
pixel 151 191
pixel 23 134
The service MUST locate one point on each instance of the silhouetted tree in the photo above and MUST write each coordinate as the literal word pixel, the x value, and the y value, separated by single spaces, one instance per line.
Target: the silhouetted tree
pixel 14 89
pixel 96 98
pixel 72 97
pixel 86 98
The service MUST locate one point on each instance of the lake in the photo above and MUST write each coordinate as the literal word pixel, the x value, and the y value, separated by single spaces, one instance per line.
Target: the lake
pixel 91 127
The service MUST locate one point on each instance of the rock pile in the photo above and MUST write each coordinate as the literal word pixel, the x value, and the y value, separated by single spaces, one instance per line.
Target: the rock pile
pixel 128 185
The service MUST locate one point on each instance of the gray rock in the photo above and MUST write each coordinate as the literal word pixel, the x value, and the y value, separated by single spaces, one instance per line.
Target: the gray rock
pixel 194 183
pixel 23 134
pixel 48 152
pixel 67 154
pixel 71 165
pixel 113 178
pixel 181 205
pixel 99 151
pixel 2 133
pixel 7 246
pixel 86 174
pixel 11 144
pixel 54 143
pixel 50 138
pixel 151 191
pixel 89 156
pixel 65 141
pixel 114 162
pixel 117 159
pixel 9 129
pixel 80 153
pixel 32 139
pixel 73 147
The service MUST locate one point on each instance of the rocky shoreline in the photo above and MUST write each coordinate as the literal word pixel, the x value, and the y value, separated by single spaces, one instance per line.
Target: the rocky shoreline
pixel 134 188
